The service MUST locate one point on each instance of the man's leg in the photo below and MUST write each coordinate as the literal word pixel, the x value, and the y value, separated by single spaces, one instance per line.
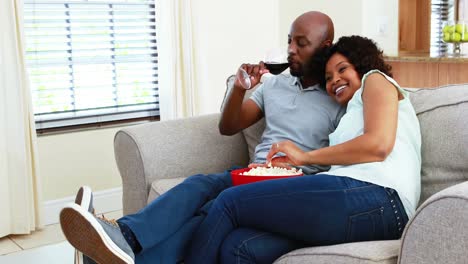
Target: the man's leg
pixel 251 246
pixel 319 210
pixel 116 242
pixel 170 211
pixel 174 248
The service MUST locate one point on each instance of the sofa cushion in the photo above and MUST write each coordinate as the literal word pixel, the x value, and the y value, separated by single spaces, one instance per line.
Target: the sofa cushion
pixel 252 136
pixel 442 114
pixel 159 187
pixel 383 252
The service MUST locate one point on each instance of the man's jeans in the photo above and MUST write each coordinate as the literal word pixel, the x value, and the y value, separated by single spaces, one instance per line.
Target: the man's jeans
pixel 165 226
pixel 292 213
pixel 261 221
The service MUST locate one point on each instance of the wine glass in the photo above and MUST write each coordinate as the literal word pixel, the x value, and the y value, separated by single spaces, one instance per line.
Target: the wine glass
pixel 244 79
pixel 276 61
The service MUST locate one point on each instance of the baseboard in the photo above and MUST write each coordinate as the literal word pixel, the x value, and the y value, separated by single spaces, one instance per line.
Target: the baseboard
pixel 104 201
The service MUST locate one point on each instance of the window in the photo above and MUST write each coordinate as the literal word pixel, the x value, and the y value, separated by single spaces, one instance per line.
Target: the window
pixel 91 61
pixel 441 10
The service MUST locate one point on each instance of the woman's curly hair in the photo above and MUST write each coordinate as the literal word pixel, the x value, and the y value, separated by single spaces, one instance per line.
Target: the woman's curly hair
pixel 363 53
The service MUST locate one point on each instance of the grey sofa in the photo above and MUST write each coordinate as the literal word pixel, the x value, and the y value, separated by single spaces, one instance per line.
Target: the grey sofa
pixel 154 157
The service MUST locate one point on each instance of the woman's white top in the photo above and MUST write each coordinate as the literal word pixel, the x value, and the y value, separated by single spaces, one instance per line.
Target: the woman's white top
pixel 401 169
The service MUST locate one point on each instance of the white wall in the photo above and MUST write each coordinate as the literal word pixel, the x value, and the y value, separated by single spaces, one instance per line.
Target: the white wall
pixel 346 14
pixel 380 23
pixel 228 33
pixel 69 160
pixel 361 17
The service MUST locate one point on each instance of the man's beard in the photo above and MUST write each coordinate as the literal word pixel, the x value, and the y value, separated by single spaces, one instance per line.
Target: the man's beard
pixel 297 72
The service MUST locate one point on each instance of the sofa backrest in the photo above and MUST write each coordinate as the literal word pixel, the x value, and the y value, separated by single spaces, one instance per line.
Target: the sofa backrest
pixel 443 118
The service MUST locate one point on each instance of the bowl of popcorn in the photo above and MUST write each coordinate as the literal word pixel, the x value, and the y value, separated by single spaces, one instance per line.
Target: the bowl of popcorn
pixel 250 175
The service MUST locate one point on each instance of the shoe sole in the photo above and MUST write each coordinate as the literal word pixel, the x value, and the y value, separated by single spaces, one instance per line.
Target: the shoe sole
pixel 84 199
pixel 86 234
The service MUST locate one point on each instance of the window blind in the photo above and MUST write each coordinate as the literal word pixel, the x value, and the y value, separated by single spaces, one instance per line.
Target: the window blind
pixel 91 61
pixel 441 10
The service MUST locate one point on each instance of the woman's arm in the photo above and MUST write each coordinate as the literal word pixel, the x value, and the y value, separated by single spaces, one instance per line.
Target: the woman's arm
pixel 380 99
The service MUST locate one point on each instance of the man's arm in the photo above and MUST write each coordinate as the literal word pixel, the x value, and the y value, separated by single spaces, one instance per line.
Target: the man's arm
pixel 238 114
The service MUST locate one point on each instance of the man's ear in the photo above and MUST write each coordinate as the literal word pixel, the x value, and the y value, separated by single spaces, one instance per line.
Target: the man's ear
pixel 326 43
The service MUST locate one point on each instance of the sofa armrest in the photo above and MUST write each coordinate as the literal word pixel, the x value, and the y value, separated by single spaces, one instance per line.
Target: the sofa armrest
pixel 438 233
pixel 171 149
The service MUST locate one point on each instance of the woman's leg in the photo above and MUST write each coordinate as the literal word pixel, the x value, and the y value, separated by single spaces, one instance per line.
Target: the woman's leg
pixel 251 246
pixel 172 210
pixel 317 209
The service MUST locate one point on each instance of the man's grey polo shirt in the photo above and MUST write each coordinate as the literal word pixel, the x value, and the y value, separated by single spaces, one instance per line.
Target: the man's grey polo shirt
pixel 304 116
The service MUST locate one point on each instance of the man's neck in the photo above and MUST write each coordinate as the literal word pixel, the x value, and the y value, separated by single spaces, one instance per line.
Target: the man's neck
pixel 308 82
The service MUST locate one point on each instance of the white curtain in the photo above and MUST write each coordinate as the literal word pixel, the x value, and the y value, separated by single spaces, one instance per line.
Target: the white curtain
pixel 177 74
pixel 20 203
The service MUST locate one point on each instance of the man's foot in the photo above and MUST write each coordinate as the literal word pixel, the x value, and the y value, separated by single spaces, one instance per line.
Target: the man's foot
pixel 84 198
pixel 97 238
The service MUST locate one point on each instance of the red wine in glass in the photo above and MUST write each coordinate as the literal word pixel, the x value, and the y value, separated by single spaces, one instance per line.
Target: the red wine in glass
pixel 276 60
pixel 276 67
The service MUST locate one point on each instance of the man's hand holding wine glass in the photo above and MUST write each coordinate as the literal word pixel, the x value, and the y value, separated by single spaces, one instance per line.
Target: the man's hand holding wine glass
pixel 249 75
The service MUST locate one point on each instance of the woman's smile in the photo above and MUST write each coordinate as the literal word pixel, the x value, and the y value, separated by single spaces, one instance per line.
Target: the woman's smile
pixel 339 90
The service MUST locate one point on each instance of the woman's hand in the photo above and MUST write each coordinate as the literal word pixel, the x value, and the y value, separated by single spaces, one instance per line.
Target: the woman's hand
pixel 293 155
pixel 256 165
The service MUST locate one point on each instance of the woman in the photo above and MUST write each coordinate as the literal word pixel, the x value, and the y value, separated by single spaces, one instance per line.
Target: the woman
pixel 369 193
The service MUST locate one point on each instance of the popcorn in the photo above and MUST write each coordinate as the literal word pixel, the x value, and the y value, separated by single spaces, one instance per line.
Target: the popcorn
pixel 272 171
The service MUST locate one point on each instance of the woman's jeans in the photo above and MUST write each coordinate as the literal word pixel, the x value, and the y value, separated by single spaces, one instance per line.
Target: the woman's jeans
pixel 259 222
pixel 304 211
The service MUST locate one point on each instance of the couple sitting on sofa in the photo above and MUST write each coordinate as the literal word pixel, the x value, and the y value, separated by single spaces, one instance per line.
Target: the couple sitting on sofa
pixel 370 191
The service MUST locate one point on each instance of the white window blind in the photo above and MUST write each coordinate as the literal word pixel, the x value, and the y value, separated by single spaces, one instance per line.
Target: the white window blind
pixel 441 10
pixel 91 61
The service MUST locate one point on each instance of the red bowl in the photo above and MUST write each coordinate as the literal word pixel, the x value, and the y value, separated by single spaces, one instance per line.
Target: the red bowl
pixel 238 178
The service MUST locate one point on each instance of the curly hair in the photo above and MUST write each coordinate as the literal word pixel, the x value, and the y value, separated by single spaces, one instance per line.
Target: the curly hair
pixel 363 53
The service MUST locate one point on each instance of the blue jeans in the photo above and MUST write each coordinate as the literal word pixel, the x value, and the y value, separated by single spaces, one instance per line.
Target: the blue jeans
pixel 256 223
pixel 294 212
pixel 165 226
pixel 246 245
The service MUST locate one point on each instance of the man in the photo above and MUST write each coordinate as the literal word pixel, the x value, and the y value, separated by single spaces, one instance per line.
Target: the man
pixel 294 107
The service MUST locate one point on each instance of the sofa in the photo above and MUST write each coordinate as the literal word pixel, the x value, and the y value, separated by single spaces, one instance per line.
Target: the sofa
pixel 154 157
